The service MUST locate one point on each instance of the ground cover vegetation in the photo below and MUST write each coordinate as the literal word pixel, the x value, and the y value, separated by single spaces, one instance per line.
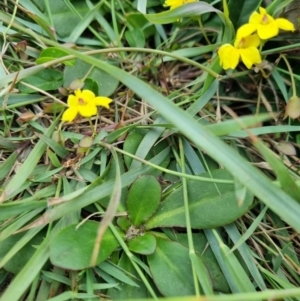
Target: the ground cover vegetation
pixel 149 149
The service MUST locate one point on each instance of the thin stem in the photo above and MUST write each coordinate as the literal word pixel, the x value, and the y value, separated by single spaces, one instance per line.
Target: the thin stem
pixel 171 172
pixel 291 73
pixel 187 216
pixel 203 30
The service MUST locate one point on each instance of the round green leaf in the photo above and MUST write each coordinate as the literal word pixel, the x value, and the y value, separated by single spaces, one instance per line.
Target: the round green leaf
pixel 143 199
pixel 72 248
pixel 91 84
pixel 143 244
pixel 210 205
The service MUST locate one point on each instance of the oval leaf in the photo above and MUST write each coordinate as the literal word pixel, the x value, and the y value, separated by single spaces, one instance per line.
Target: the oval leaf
pixel 171 269
pixel 72 248
pixel 52 53
pixel 208 208
pixel 46 80
pixel 143 199
pixel 145 244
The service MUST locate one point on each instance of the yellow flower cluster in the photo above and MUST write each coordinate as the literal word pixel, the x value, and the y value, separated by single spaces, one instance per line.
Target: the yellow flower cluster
pixel 176 3
pixel 261 26
pixel 85 104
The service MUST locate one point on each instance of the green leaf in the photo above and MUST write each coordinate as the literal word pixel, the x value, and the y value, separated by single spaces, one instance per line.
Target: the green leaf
pixel 106 83
pixel 171 269
pixel 229 127
pixel 288 184
pixel 236 271
pixel 211 205
pixel 117 272
pixel 135 38
pixel 202 247
pixel 28 166
pixel 7 165
pixel 143 244
pixel 26 276
pixel 6 143
pixel 187 10
pixel 128 291
pixel 91 84
pixel 123 223
pixel 72 248
pixel 61 12
pixel 131 144
pixel 44 25
pixel 216 67
pixel 18 261
pixel 143 199
pixel 46 80
pixel 52 53
pixel 138 21
pixel 240 11
pixel 15 208
pixel 58 149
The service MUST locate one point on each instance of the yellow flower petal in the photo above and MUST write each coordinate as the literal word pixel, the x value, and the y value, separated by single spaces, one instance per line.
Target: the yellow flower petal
pixel 84 103
pixel 229 56
pixel 246 30
pixel 176 3
pixel 70 114
pixel 77 92
pixel 262 11
pixel 252 41
pixel 285 24
pixel 87 95
pixel 255 18
pixel 88 110
pixel 72 101
pixel 267 31
pixel 102 101
pixel 250 56
pixel 245 42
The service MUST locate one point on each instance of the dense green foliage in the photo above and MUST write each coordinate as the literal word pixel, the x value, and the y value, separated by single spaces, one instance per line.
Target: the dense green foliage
pixel 188 185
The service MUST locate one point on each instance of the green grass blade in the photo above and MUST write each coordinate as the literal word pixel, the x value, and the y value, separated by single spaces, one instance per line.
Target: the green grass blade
pixel 22 281
pixel 28 166
pixel 245 252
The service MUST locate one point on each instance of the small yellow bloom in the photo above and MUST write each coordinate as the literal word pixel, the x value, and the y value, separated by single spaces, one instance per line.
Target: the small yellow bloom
pixel 176 3
pixel 266 26
pixel 244 48
pixel 85 104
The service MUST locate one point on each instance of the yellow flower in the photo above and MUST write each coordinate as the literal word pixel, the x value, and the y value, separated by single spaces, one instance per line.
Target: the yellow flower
pixel 84 103
pixel 176 3
pixel 266 26
pixel 244 48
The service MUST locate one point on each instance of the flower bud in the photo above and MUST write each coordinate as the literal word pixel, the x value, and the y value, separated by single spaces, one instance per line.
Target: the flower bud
pixel 85 144
pixel 292 108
